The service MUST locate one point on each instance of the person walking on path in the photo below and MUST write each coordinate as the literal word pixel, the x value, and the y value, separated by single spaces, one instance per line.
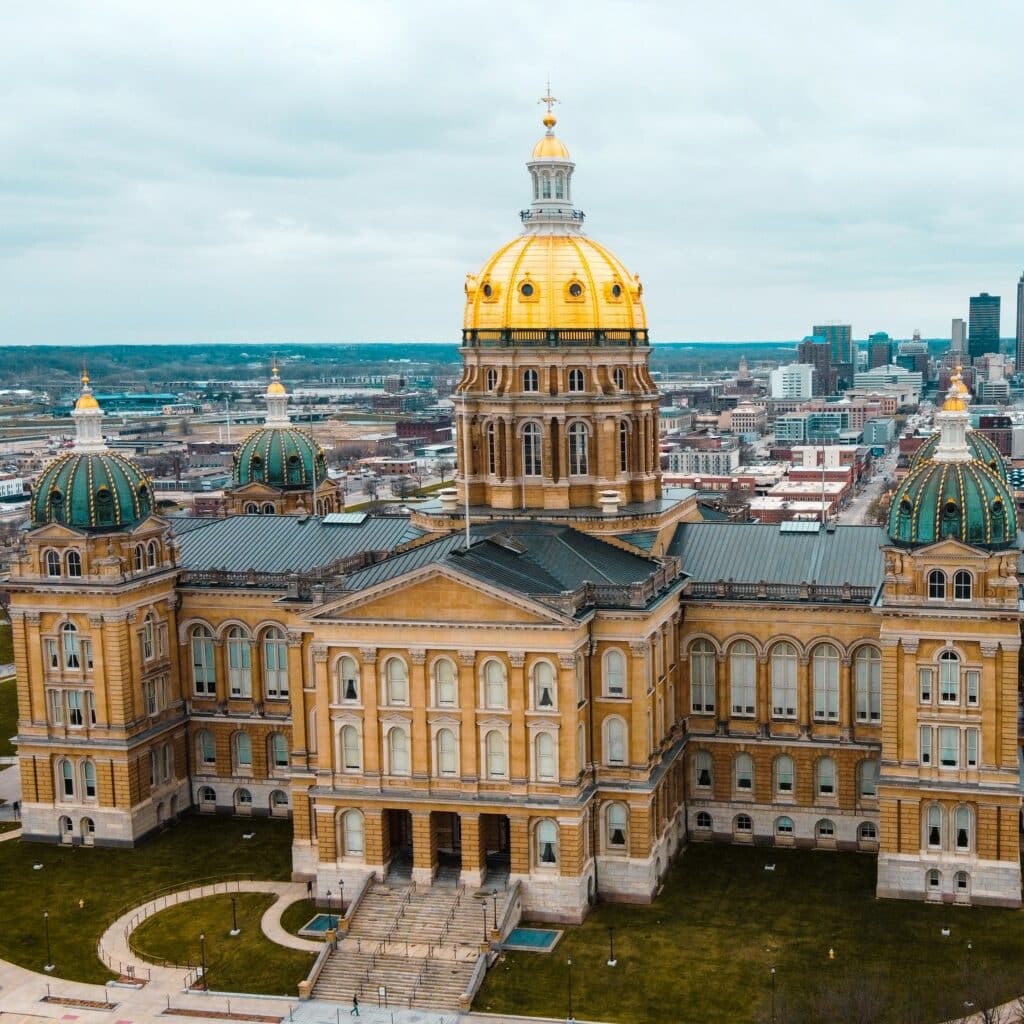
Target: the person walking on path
pixel 354 1012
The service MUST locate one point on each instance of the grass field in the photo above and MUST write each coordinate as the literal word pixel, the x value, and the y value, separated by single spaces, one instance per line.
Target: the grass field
pixel 8 717
pixel 108 879
pixel 6 641
pixel 248 962
pixel 298 914
pixel 703 951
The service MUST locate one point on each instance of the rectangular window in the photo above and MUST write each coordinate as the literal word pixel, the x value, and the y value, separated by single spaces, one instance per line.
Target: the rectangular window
pixel 972 748
pixel 75 708
pixel 926 744
pixel 147 642
pixel 56 707
pixel 949 747
pixel 949 682
pixel 52 655
pixel 925 680
pixel 783 686
pixel 149 692
pixel 973 677
pixel 702 681
pixel 90 706
pixel 87 654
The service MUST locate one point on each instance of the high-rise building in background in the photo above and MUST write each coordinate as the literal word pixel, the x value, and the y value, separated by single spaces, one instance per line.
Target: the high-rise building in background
pixel 1020 326
pixel 959 335
pixel 879 350
pixel 795 380
pixel 983 328
pixel 817 352
pixel 840 340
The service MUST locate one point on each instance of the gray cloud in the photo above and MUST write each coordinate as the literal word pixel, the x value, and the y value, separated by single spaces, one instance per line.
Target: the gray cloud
pixel 330 171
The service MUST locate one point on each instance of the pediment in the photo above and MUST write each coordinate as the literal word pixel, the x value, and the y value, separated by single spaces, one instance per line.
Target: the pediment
pixel 152 524
pixel 951 548
pixel 255 489
pixel 56 532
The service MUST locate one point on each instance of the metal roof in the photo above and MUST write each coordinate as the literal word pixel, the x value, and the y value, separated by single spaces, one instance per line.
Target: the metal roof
pixel 286 543
pixel 755 553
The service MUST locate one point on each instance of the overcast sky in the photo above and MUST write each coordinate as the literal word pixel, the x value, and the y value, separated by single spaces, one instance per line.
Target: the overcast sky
pixel 184 172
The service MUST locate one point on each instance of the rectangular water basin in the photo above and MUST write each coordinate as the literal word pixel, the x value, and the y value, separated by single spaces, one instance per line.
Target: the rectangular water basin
pixel 532 940
pixel 317 927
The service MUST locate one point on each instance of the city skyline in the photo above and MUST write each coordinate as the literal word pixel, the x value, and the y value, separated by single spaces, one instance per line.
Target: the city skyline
pixel 246 174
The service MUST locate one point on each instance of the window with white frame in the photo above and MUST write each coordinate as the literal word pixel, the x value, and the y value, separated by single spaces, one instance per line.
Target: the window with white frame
pixel 88 780
pixel 743 678
pixel 275 664
pixel 53 563
pixel 74 563
pixel 615 741
pixel 783 671
pixel 962 829
pixel 206 749
pixel 617 819
pixel 352 835
pixel 623 446
pixel 784 826
pixel 139 558
pixel 933 826
pixel 398 751
pixel 784 776
pixel 239 663
pixel 495 685
pixel 949 747
pixel 151 554
pixel 547 842
pixel 743 773
pixel 972 679
pixel 578 441
pixel 867 779
pixel 51 653
pixel 962 585
pixel 613 670
pixel 396 677
pixel 949 678
pixel 576 380
pixel 278 751
pixel 56 698
pixel 867 674
pixel 90 707
pixel 703 769
pixel 971 742
pixel 76 719
pixel 69 644
pixel 66 775
pixel 243 750
pixel 867 832
pixel 925 744
pixel 825 777
pixel 495 754
pixel 204 665
pixel 619 377
pixel 351 753
pixel 962 880
pixel 491 442
pixel 937 585
pixel 743 823
pixel 532 452
pixel 544 757
pixel 447 753
pixel 925 685
pixel 348 680
pixel 149 696
pixel 825 670
pixel 581 747
pixel 704 820
pixel 531 381
pixel 825 829
pixel 446 683
pixel 544 686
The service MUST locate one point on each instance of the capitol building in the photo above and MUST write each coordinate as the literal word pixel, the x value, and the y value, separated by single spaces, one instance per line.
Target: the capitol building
pixel 556 673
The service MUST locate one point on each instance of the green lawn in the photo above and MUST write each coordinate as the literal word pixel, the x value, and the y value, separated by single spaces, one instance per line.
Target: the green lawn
pixel 8 717
pixel 249 962
pixel 108 879
pixel 297 915
pixel 6 641
pixel 703 951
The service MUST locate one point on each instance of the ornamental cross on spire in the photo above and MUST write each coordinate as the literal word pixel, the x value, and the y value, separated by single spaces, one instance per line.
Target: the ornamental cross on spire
pixel 548 98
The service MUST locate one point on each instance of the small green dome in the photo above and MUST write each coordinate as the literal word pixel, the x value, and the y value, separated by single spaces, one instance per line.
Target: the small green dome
pixel 91 491
pixel 964 500
pixel 282 457
pixel 980 446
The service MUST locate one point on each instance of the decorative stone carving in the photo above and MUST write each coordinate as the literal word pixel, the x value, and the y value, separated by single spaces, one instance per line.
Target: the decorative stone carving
pixel 910 644
pixel 417 655
pixel 319 653
pixel 567 660
pixel 639 648
pixel 369 655
pixel 467 658
pixel 517 658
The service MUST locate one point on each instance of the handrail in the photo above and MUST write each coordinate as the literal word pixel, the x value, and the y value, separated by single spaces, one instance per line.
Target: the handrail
pixel 513 908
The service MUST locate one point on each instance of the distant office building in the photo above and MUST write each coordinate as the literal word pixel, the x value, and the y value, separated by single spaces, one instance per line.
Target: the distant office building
pixel 817 352
pixel 722 462
pixel 881 431
pixel 983 332
pixel 959 336
pixel 879 350
pixel 795 380
pixel 1020 326
pixel 840 341
pixel 893 376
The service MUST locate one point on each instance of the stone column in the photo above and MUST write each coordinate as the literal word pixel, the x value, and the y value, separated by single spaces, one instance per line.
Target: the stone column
pixel 846 705
pixel 369 696
pixel 907 739
pixel 567 706
pixel 804 694
pixel 639 702
pixel 324 740
pixel 99 672
pixel 474 852
pixel 220 661
pixel 764 716
pixel 518 701
pixel 721 694
pixel 468 702
pixel 418 699
pixel 892 699
pixel 424 848
pixel 297 699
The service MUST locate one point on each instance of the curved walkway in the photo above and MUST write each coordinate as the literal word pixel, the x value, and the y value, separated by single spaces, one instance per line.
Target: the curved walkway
pixel 115 950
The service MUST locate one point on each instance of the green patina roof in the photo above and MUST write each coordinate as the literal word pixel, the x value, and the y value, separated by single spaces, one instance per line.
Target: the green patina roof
pixel 980 446
pixel 280 457
pixel 91 491
pixel 964 500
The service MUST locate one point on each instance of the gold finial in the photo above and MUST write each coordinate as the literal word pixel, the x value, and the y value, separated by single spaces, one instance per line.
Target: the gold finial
pixel 955 397
pixel 85 378
pixel 86 399
pixel 275 387
pixel 549 119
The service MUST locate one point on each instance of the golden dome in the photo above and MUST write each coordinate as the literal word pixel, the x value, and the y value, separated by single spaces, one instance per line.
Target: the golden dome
pixel 275 387
pixel 550 147
pixel 958 395
pixel 546 281
pixel 86 399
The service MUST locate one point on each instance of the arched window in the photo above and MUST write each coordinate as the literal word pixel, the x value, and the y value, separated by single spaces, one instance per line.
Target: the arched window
pixel 531 380
pixel 351 755
pixel 784 771
pixel 104 507
pixel 962 882
pixel 52 563
pixel 352 834
pixel 783 672
pixel 933 880
pixel 615 742
pixel 278 802
pixel 544 757
pixel 867 832
pixel 446 686
pixel 204 667
pixel 544 689
pixel 151 554
pixel 74 563
pixel 825 829
pixel 57 506
pixel 243 750
pixel 491 439
pixel 239 663
pixel 66 777
pixel 704 820
pixel 532 458
pixel 294 469
pixel 398 751
pixel 207 795
pixel 275 664
pixel 268 508
pixel 703 769
pixel 88 780
pixel 743 773
pixel 251 508
pixel 559 185
pixel 962 829
pixel 139 558
pixel 243 799
pixel 867 779
pixel 614 673
pixel 148 638
pixel 69 643
pixel 934 827
pixel 397 679
pixel 743 823
pixel 495 685
pixel 278 750
pixel 578 437
pixel 545 186
pixel 937 585
pixel 581 747
pixel 492 379
pixel 825 777
pixel 743 678
pixel 962 583
pixel 949 678
pixel 576 380
pixel 867 674
pixel 447 753
pixel 825 666
pixel 618 825
pixel 495 755
pixel 619 377
pixel 623 446
pixel 348 679
pixel 547 842
pixel 702 677
pixel 784 826
pixel 206 749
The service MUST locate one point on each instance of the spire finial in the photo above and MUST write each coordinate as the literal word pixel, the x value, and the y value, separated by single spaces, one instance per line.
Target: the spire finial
pixel 549 119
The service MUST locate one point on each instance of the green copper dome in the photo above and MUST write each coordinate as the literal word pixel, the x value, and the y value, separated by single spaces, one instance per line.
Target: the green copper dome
pixel 965 500
pixel 91 490
pixel 980 446
pixel 283 457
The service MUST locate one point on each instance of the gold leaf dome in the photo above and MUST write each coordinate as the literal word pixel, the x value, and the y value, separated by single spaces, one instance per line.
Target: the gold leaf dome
pixel 275 387
pixel 86 400
pixel 546 281
pixel 550 147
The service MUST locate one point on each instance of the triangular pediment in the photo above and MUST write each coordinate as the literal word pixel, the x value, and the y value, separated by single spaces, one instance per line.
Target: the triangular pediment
pixel 439 594
pixel 54 532
pixel 948 547
pixel 255 490
pixel 151 524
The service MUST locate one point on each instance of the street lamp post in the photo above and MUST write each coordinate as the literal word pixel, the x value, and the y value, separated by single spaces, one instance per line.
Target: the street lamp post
pixel 773 994
pixel 483 906
pixel 611 946
pixel 571 1019
pixel 494 897
pixel 341 899
pixel 234 916
pixel 48 966
pixel 202 957
pixel 330 916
